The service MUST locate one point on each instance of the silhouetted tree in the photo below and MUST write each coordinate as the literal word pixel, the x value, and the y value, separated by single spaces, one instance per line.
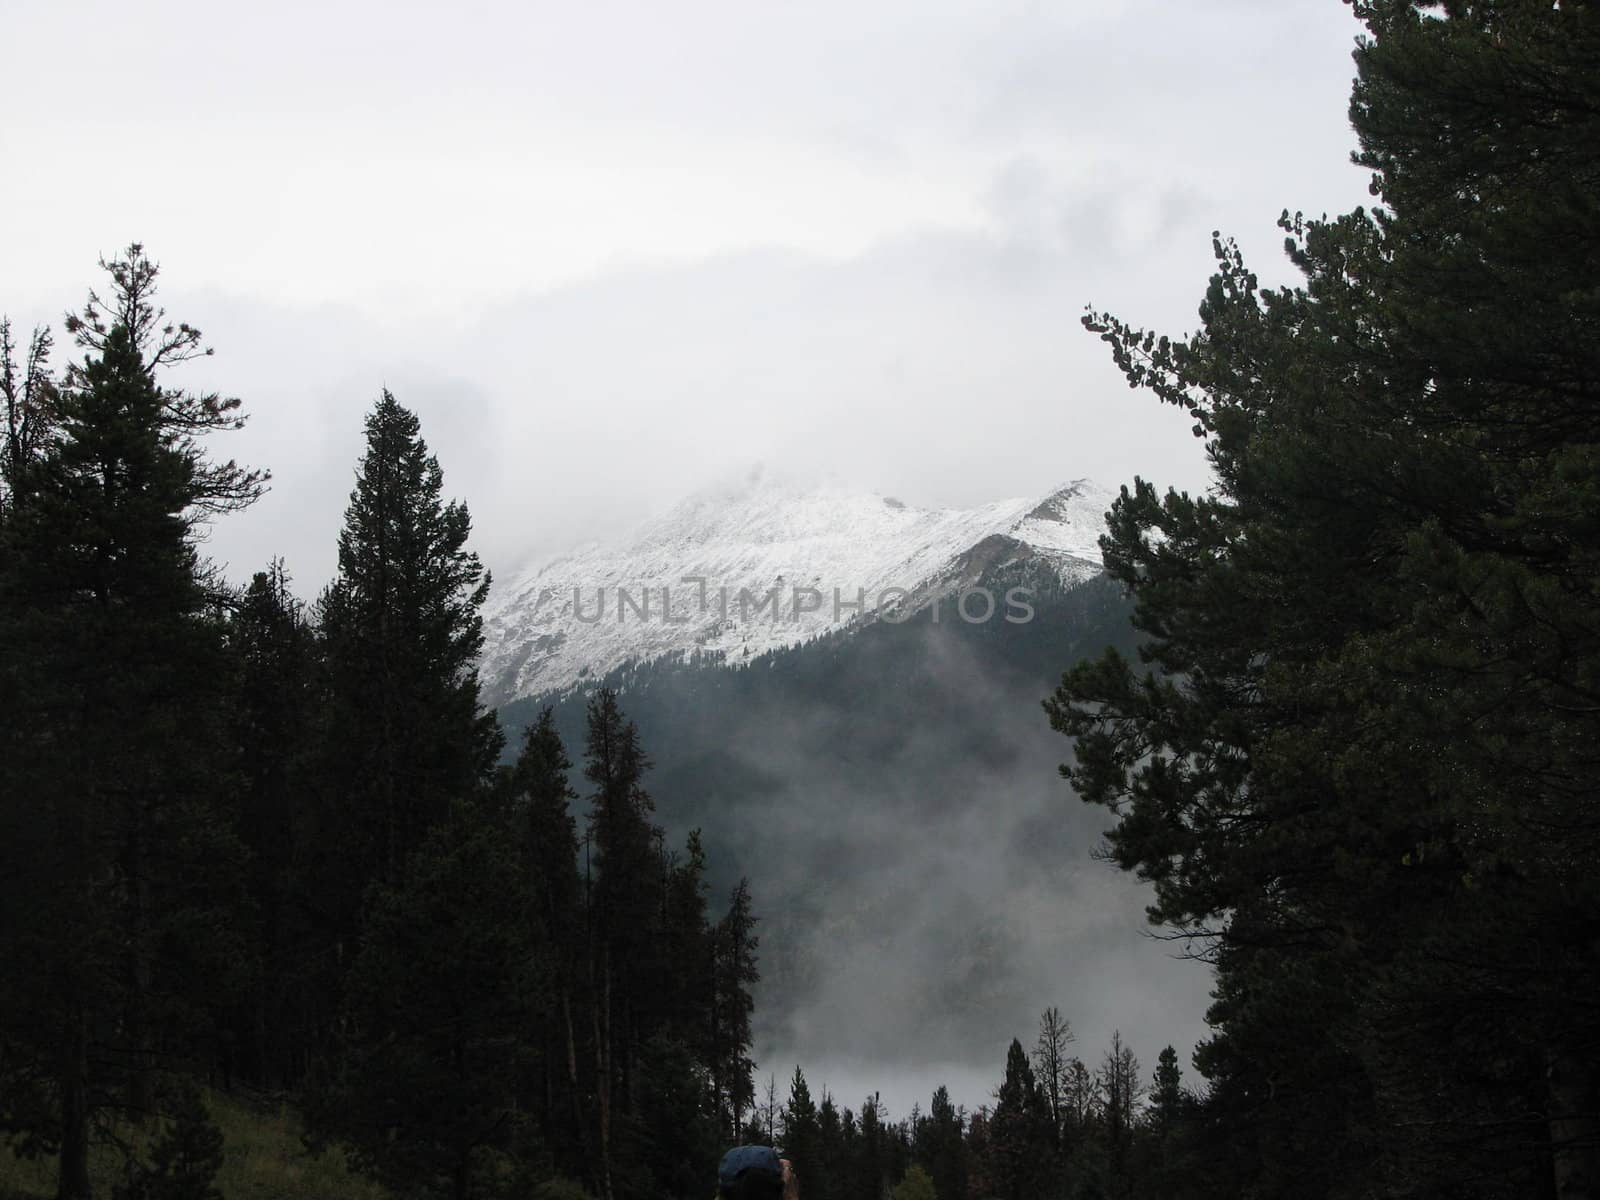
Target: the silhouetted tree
pixel 1362 759
pixel 624 910
pixel 735 975
pixel 802 1137
pixel 273 715
pixel 1050 1061
pixel 407 734
pixel 542 813
pixel 1021 1149
pixel 119 923
pixel 946 1153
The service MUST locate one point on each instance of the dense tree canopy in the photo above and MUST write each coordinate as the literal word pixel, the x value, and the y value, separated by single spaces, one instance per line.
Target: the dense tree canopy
pixel 1362 759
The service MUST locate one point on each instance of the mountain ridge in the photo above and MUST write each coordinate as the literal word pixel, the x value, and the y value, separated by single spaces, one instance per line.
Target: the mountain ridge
pixel 732 573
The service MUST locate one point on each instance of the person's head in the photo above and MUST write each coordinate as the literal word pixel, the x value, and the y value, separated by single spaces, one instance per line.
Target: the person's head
pixel 752 1173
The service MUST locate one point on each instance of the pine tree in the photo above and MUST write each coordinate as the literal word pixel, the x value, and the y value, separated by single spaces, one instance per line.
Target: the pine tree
pixel 408 735
pixel 871 1169
pixel 542 799
pixel 946 1147
pixel 119 849
pixel 1166 1095
pixel 437 1013
pixel 1022 1159
pixel 1168 1164
pixel 735 974
pixel 685 951
pixel 1363 763
pixel 829 1170
pixel 802 1138
pixel 624 909
pixel 274 686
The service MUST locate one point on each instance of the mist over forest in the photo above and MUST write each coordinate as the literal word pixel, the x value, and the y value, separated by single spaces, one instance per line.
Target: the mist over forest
pixel 927 883
pixel 1257 859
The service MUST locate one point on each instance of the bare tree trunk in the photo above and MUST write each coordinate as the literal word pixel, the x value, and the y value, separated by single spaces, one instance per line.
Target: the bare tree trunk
pixel 141 1076
pixel 630 1059
pixel 1574 1126
pixel 579 1125
pixel 73 1178
pixel 602 1083
pixel 267 1073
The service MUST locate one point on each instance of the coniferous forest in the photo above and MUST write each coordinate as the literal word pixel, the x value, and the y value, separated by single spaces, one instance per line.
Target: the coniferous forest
pixel 251 844
pixel 263 851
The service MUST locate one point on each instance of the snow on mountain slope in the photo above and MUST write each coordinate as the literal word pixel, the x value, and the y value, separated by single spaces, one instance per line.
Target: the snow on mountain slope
pixel 736 572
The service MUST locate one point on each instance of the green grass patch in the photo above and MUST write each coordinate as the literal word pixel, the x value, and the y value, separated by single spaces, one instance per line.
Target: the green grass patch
pixel 263 1159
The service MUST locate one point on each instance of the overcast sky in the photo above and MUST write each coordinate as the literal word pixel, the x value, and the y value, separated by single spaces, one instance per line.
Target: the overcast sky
pixel 610 251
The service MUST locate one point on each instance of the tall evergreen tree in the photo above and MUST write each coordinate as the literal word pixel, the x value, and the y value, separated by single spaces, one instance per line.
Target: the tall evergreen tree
pixel 828 1173
pixel 119 933
pixel 1168 1166
pixel 872 1168
pixel 735 974
pixel 685 952
pixel 1364 762
pixel 542 810
pixel 1021 1142
pixel 406 735
pixel 624 912
pixel 276 666
pixel 946 1147
pixel 802 1137
pixel 1166 1096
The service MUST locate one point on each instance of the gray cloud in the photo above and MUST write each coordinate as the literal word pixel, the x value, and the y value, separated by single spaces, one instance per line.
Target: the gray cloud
pixel 611 250
pixel 946 368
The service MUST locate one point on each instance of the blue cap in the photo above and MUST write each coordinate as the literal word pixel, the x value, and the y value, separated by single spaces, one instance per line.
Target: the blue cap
pixel 744 1160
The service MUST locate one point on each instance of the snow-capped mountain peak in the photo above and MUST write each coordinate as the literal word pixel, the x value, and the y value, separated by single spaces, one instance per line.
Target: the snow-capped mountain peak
pixel 767 562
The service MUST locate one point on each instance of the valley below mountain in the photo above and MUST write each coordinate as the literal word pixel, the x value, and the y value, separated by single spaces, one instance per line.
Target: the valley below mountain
pixel 926 881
